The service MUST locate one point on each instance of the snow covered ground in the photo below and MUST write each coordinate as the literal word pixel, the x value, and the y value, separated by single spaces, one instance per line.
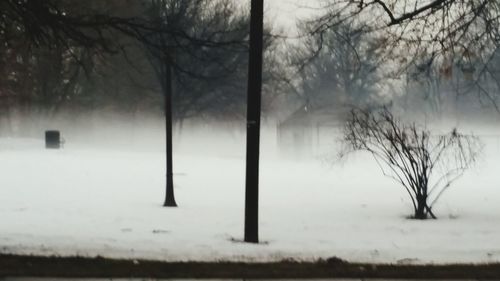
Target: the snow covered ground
pixel 89 199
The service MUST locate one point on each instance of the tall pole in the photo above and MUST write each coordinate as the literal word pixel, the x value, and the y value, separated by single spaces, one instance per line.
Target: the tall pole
pixel 253 122
pixel 169 195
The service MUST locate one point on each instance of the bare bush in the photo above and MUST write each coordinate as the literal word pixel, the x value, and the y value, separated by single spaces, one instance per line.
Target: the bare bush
pixel 424 164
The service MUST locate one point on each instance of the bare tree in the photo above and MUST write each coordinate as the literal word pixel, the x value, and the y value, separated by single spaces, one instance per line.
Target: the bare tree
pixel 425 165
pixel 192 73
pixel 340 67
pixel 451 32
pixel 52 52
pixel 44 23
pixel 448 23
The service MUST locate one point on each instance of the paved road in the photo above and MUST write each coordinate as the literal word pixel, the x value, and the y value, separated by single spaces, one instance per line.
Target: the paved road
pixel 147 279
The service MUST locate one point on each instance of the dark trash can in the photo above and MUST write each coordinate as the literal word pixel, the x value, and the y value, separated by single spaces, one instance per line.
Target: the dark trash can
pixel 52 139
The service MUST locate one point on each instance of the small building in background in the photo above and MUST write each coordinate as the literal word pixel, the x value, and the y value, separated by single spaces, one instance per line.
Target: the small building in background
pixel 311 132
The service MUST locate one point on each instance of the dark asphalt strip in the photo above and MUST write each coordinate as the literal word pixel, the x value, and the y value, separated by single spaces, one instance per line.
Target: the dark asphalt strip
pixel 79 267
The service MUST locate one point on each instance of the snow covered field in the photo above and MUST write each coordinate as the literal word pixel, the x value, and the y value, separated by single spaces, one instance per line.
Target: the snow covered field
pixel 105 199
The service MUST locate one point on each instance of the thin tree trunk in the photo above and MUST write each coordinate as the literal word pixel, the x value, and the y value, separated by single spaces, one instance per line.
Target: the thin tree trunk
pixel 169 196
pixel 253 123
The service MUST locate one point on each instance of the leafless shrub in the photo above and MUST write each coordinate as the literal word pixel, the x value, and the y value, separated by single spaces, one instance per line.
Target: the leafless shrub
pixel 425 165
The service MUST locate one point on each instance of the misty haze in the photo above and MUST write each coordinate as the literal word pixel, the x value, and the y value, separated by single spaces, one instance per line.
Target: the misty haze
pixel 150 130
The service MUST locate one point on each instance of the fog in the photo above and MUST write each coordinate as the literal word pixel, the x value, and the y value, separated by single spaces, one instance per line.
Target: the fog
pixel 106 187
pixel 101 193
pixel 146 132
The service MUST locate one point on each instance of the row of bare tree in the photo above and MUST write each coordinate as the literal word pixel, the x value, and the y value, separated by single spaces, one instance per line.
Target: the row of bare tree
pixel 113 55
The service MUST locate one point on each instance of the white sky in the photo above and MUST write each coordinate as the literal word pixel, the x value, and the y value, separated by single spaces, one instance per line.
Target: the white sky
pixel 285 13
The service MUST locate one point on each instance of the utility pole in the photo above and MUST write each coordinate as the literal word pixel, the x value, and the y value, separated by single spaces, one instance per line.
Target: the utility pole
pixel 254 92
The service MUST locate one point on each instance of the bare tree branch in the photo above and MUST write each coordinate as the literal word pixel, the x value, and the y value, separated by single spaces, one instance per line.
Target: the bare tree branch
pixel 411 154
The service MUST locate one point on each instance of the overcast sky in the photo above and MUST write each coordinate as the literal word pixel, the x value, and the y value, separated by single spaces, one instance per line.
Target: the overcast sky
pixel 286 12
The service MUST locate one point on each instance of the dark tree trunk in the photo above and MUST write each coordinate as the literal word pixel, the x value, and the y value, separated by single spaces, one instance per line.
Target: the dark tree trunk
pixel 423 211
pixel 253 123
pixel 420 212
pixel 169 196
